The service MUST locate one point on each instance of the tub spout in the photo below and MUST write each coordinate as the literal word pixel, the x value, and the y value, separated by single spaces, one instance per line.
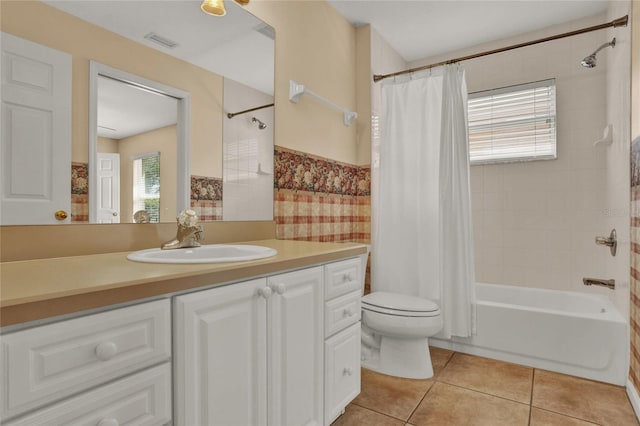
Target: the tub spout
pixel 596 281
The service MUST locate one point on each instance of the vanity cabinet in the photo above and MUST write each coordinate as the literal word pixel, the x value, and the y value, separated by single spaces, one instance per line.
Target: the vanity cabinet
pixel 251 353
pixel 343 291
pixel 69 363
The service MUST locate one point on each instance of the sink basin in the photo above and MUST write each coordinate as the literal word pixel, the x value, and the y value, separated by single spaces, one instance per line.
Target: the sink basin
pixel 211 253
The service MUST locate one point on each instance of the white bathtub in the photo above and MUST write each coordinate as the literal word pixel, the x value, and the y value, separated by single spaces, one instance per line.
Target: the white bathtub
pixel 573 333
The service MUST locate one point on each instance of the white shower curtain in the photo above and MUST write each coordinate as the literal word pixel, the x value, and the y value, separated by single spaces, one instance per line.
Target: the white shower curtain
pixel 422 241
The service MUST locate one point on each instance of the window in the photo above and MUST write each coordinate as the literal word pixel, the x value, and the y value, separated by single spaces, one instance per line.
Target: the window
pixel 146 185
pixel 516 123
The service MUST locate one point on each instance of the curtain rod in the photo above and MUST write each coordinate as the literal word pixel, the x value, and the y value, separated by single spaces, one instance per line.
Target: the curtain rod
pixel 233 114
pixel 620 22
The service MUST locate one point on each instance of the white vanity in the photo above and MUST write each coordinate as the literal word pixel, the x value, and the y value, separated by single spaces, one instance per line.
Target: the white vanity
pixel 278 348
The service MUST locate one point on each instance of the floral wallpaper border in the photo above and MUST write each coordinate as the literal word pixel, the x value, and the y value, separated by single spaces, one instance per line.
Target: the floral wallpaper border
pixel 299 171
pixel 206 188
pixel 79 178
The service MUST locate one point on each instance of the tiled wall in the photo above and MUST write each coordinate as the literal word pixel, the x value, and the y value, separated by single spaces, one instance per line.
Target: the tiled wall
pixel 79 193
pixel 317 199
pixel 634 316
pixel 206 197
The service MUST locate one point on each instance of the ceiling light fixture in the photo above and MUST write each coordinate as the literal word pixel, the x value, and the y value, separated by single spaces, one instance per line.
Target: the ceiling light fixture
pixel 216 7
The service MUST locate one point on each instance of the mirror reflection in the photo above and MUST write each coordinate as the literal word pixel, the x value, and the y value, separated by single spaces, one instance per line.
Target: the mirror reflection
pixel 171 43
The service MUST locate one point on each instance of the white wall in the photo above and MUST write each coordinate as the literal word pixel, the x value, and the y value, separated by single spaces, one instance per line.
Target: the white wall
pixel 535 222
pixel 247 193
pixel 617 183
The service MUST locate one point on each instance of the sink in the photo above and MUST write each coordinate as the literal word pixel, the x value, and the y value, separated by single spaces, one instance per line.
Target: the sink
pixel 211 253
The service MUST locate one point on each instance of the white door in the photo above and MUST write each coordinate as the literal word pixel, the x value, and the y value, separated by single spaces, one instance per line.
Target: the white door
pixel 220 356
pixel 296 338
pixel 35 181
pixel 108 197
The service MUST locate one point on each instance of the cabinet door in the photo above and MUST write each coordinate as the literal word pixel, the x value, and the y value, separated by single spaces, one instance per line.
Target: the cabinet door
pixel 342 371
pixel 295 319
pixel 220 356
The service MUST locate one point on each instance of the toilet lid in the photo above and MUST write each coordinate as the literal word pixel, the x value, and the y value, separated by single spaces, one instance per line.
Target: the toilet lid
pixel 404 303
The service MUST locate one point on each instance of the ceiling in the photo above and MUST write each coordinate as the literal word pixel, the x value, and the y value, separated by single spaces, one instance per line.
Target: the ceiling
pixel 419 29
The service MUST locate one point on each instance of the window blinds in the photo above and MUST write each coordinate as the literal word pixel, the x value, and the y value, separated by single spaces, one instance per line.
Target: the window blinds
pixel 146 185
pixel 516 123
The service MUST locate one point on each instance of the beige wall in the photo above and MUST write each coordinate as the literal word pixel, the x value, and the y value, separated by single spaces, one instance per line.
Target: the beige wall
pixel 161 140
pixel 315 46
pixel 43 24
pixel 107 145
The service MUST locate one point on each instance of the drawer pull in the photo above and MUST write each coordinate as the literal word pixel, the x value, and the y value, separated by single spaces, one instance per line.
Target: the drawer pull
pixel 106 350
pixel 348 312
pixel 279 288
pixel 348 371
pixel 108 422
pixel 265 292
pixel 347 276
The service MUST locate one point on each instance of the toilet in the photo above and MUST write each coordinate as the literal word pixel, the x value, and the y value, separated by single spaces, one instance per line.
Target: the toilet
pixel 395 334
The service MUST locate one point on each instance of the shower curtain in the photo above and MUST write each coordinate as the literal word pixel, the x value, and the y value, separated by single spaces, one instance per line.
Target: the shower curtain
pixel 422 241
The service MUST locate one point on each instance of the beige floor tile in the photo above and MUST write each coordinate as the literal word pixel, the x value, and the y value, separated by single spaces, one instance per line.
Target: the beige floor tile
pixel 359 416
pixel 394 396
pixel 439 359
pixel 451 405
pixel 489 376
pixel 547 418
pixel 596 402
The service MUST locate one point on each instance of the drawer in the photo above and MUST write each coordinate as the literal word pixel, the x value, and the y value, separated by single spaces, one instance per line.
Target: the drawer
pixel 143 399
pixel 342 371
pixel 342 277
pixel 47 363
pixel 341 312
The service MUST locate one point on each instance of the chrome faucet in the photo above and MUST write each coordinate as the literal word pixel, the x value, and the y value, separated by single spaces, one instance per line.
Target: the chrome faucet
pixel 189 232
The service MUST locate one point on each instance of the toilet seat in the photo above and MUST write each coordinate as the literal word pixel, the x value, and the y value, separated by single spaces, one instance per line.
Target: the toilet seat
pixel 399 305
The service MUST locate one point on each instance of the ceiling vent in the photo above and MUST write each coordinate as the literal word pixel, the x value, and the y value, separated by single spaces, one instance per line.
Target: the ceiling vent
pixel 162 41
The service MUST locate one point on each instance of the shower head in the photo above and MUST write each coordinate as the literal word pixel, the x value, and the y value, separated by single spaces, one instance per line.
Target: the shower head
pixel 590 61
pixel 261 125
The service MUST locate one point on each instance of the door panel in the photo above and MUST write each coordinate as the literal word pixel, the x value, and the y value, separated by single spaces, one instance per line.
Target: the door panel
pixel 35 181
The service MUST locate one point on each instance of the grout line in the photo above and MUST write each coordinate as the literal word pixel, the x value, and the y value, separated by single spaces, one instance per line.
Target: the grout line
pixel 568 416
pixel 533 379
pixel 381 413
pixel 421 399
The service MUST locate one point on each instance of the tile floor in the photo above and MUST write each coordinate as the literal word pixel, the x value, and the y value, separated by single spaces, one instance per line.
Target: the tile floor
pixel 470 390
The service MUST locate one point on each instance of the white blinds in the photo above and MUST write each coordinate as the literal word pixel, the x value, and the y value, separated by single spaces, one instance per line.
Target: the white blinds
pixel 516 123
pixel 146 185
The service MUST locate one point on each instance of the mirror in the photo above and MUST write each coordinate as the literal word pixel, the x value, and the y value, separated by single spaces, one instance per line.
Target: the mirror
pixel 175 45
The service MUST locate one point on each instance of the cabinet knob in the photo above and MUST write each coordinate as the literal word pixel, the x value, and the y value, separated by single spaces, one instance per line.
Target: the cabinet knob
pixel 348 312
pixel 279 288
pixel 347 276
pixel 348 371
pixel 106 350
pixel 108 422
pixel 265 292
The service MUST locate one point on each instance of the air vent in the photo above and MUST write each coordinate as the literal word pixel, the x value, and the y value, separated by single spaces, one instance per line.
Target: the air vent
pixel 162 41
pixel 106 128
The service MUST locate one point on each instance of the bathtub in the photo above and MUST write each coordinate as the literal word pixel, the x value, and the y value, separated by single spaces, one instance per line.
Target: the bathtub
pixel 568 332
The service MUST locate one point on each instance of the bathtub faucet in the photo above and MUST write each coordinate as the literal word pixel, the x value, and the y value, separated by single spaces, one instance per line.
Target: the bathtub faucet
pixel 596 281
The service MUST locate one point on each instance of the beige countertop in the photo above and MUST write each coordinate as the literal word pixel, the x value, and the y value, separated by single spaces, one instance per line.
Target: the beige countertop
pixel 37 289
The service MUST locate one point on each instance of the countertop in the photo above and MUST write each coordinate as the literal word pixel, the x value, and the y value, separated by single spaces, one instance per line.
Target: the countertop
pixel 37 289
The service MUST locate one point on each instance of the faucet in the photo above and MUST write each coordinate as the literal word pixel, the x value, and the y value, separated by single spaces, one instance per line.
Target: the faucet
pixel 611 284
pixel 189 232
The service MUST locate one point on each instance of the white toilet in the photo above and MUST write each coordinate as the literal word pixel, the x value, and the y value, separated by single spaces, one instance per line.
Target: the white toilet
pixel 395 334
